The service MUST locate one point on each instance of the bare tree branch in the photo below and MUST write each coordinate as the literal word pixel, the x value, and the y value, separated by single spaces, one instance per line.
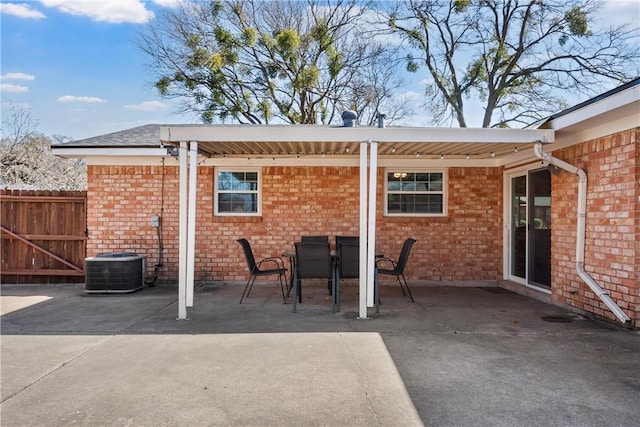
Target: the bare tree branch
pixel 252 61
pixel 26 161
pixel 513 54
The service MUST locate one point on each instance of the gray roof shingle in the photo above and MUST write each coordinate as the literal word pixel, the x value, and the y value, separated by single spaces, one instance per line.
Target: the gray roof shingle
pixel 141 136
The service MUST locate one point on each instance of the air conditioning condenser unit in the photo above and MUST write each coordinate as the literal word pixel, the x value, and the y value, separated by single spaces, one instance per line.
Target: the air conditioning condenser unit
pixel 119 272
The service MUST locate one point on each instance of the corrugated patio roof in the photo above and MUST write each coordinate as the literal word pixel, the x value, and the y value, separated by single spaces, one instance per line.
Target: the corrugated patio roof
pixel 316 140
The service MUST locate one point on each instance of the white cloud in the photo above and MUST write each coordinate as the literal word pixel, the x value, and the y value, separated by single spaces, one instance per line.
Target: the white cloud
pixel 21 11
pixel 168 3
pixel 619 12
pixel 89 99
pixel 147 106
pixel 11 88
pixel 112 11
pixel 410 96
pixel 17 76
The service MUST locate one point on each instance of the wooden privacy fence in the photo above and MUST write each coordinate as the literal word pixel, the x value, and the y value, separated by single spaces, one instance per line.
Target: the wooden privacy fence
pixel 43 236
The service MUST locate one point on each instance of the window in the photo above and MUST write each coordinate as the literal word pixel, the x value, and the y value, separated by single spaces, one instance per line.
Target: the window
pixel 237 192
pixel 415 193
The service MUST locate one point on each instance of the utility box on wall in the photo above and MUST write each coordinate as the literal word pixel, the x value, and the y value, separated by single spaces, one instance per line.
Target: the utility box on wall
pixel 119 272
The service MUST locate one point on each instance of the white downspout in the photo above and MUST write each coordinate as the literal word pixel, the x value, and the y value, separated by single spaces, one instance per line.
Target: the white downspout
pixel 581 230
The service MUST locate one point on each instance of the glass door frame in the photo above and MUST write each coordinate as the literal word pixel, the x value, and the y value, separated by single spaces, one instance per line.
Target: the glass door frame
pixel 509 175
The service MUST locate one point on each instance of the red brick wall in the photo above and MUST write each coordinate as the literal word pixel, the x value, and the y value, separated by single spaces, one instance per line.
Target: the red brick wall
pixel 466 245
pixel 612 249
pixel 120 203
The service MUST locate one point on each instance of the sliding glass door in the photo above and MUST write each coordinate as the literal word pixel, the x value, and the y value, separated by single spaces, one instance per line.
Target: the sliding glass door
pixel 530 228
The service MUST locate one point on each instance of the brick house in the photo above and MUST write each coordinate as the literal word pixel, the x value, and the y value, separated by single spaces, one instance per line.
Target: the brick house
pixel 487 206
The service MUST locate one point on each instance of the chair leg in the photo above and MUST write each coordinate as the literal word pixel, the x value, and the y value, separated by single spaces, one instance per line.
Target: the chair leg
pixel 376 291
pixel 284 297
pixel 336 295
pixel 245 293
pixel 406 284
pixel 290 287
pixel 253 282
pixel 401 287
pixel 295 292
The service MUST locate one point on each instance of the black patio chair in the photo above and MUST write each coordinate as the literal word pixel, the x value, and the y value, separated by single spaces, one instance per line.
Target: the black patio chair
pixel 397 267
pixel 317 239
pixel 352 239
pixel 265 267
pixel 313 261
pixel 314 239
pixel 348 267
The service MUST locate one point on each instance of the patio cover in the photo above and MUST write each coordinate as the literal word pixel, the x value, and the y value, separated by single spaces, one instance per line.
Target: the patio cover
pixel 366 147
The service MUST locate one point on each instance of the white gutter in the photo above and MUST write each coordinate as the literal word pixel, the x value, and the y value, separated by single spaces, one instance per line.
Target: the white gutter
pixel 581 230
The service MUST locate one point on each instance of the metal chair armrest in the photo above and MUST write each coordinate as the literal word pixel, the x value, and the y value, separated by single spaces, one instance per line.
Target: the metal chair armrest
pixel 386 260
pixel 276 260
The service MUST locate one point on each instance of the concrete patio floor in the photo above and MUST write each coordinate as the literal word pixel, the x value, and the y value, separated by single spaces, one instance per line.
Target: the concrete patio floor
pixel 459 356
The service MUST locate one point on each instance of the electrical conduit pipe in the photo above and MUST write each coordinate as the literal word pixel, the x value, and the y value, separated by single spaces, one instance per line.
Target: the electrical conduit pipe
pixel 581 230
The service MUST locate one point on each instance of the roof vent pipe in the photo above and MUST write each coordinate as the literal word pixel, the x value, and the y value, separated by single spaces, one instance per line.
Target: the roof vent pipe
pixel 349 119
pixel 381 117
pixel 581 230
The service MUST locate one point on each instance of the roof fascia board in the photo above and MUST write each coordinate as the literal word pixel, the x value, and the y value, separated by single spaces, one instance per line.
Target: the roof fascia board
pixel 436 163
pixel 129 161
pixel 305 161
pixel 590 111
pixel 602 129
pixel 273 133
pixel 347 162
pixel 112 152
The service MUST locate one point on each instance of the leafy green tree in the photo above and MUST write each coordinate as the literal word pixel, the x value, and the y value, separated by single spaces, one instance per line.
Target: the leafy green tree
pixel 518 58
pixel 298 62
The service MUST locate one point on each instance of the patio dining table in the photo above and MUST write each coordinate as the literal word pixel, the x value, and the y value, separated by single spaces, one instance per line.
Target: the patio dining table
pixel 291 256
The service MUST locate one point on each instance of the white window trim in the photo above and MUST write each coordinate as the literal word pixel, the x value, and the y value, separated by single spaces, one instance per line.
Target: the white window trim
pixel 216 171
pixel 445 192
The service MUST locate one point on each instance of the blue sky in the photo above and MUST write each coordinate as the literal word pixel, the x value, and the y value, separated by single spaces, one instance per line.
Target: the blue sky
pixel 75 65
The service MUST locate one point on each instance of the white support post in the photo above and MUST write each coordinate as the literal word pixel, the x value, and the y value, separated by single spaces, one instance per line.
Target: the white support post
pixel 371 236
pixel 182 240
pixel 191 221
pixel 363 231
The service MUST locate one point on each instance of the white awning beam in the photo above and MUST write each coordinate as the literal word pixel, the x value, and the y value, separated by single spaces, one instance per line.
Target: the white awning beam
pixel 111 152
pixel 182 235
pixel 187 227
pixel 371 236
pixel 288 133
pixel 362 290
pixel 191 221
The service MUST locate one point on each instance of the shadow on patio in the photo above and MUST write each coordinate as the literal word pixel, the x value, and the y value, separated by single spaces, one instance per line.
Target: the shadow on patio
pixel 467 356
